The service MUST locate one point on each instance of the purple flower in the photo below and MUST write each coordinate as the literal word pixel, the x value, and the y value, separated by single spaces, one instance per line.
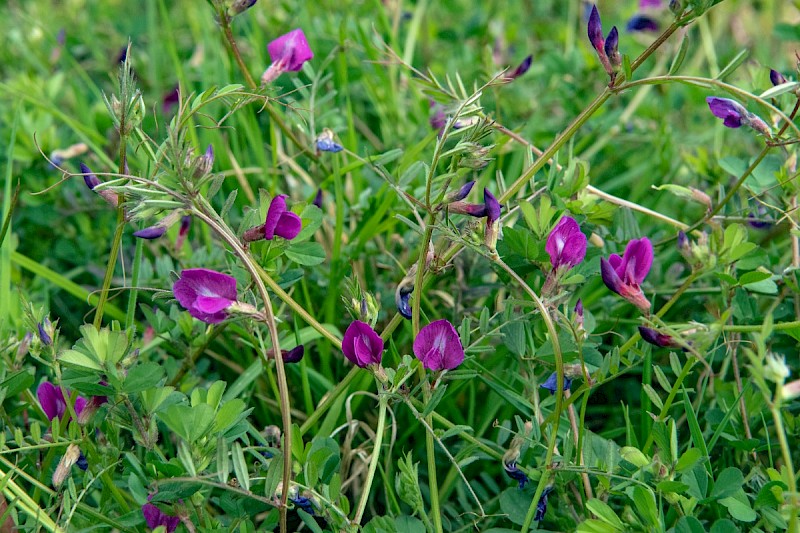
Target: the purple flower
pixel 438 119
pixel 521 69
pixel 155 518
pixel 625 274
pixel 541 505
pixel 641 23
pixel 152 232
pixel 54 400
pixel 656 338
pixel 171 99
pixel 205 294
pixel 566 245
pixel 551 383
pixel 361 345
pixel 645 4
pixel 776 77
pixel 438 347
pixel 280 221
pixel 318 198
pixel 595 30
pixel 732 112
pixel 291 50
pixel 460 194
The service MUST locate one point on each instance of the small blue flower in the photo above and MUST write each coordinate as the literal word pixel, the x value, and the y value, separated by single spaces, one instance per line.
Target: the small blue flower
pixel 303 503
pixel 43 335
pixel 325 142
pixel 541 505
pixel 82 463
pixel 641 23
pixel 516 474
pixel 552 383
pixel 403 305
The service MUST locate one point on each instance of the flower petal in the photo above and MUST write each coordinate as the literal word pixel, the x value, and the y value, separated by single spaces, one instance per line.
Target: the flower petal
pixel 289 225
pixel 292 49
pixel 609 275
pixel 438 346
pixel 361 345
pixel 277 207
pixel 211 304
pixel 51 398
pixel 639 259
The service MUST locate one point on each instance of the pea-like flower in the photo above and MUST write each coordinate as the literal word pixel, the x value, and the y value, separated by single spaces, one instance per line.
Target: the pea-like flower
pixel 776 77
pixel 521 69
pixel 566 245
pixel 624 275
pixel 541 505
pixel 438 346
pixel 551 383
pixel 326 143
pixel 206 294
pixel 288 53
pixel 53 400
pixel 155 517
pixel 92 181
pixel 361 345
pixel 656 338
pixel 734 115
pixel 280 221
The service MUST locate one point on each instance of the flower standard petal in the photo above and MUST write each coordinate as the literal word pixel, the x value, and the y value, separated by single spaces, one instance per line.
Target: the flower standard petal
pixel 289 225
pixel 280 221
pixel 291 49
pixel 610 276
pixel 729 110
pixel 51 398
pixel 438 346
pixel 566 245
pixel 205 293
pixel 638 258
pixel 492 206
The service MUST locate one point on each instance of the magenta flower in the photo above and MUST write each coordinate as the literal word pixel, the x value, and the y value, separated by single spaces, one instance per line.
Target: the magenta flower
pixel 155 518
pixel 281 221
pixel 438 346
pixel 291 49
pixel 361 345
pixel 566 245
pixel 205 294
pixel 654 4
pixel 625 274
pixel 53 400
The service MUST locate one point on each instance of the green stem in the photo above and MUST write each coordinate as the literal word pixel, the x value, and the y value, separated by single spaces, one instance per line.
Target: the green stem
pixel 687 367
pixel 373 464
pixel 207 215
pixel 134 293
pixel 775 408
pixel 112 264
pixel 559 361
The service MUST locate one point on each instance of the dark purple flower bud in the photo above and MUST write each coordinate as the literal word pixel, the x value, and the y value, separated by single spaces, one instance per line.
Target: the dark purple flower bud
pixel 460 194
pixel 641 23
pixel 152 232
pixel 402 297
pixel 82 462
pixel 757 223
pixel 89 178
pixel 43 335
pixel 683 242
pixel 776 77
pixel 566 245
pixel 438 346
pixel 625 274
pixel 541 505
pixel 732 113
pixel 123 54
pixel 325 142
pixel 318 198
pixel 656 338
pixel 516 474
pixel 493 207
pixel 280 221
pixel 611 48
pixel 294 355
pixel 171 99
pixel 595 30
pixel 521 69
pixel 551 383
pixel 361 345
pixel 155 518
pixel 205 293
pixel 438 120
pixel 579 313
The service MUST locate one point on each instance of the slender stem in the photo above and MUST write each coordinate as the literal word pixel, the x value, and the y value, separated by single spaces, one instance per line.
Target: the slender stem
pixel 373 464
pixel 559 360
pixel 775 408
pixel 687 367
pixel 134 293
pixel 283 388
